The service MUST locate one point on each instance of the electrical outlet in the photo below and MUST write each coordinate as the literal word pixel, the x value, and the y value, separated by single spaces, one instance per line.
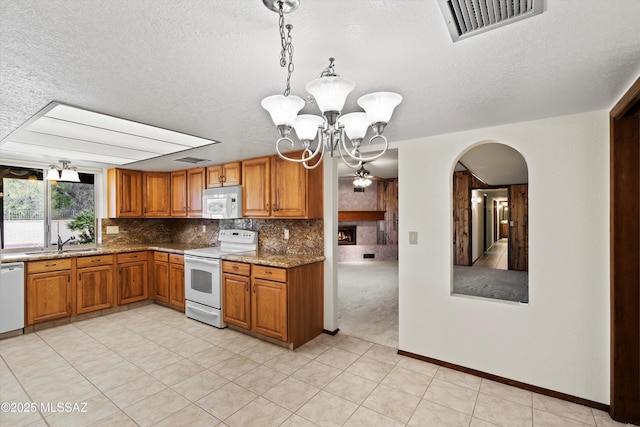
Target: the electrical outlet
pixel 286 234
pixel 413 237
pixel 113 229
pixel 204 228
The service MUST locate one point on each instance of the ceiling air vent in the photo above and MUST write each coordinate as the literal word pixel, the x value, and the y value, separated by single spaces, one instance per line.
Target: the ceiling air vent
pixel 191 160
pixel 466 18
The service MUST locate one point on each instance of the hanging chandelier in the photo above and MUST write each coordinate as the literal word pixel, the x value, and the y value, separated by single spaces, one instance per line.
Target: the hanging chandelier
pixel 332 132
pixel 62 173
pixel 362 178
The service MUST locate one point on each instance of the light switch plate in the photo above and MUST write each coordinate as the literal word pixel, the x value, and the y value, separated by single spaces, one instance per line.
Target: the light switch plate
pixel 286 234
pixel 113 229
pixel 413 237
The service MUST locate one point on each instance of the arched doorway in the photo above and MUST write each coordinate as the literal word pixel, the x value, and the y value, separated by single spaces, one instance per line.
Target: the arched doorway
pixel 490 223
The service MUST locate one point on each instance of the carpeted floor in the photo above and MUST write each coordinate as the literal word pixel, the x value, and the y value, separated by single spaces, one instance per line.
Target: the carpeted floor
pixel 491 283
pixel 368 301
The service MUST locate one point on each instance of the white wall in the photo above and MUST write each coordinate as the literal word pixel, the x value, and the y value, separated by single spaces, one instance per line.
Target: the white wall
pixel 560 341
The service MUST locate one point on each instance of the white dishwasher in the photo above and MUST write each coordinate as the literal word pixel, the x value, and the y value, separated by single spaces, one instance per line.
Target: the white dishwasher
pixel 11 296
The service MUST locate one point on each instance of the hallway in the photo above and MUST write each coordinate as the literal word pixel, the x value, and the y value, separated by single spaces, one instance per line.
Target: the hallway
pixel 495 257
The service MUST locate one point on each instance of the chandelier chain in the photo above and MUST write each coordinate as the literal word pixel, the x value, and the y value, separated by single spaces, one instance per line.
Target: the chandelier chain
pixel 286 54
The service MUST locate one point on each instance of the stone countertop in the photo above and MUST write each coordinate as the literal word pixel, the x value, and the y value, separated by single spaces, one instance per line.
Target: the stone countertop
pixel 177 248
pixel 273 260
pixel 256 257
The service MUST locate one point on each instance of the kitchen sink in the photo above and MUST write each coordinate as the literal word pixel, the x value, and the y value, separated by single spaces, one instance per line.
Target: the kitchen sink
pixel 81 250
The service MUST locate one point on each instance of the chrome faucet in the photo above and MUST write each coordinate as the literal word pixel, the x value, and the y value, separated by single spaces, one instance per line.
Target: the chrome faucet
pixel 61 243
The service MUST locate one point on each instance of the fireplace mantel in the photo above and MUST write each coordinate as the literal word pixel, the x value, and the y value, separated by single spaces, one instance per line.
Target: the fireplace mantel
pixel 360 215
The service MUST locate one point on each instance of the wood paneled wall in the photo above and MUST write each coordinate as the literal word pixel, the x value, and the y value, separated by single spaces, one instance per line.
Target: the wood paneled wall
pixel 519 227
pixel 388 202
pixel 462 218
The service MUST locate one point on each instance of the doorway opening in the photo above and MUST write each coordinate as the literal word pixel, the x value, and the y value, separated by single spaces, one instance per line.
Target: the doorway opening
pixel 490 224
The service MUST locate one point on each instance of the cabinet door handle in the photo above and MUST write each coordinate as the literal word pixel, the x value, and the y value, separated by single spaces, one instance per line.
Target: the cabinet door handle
pixel 246 286
pixel 235 267
pixel 69 278
pixel 79 278
pixel 95 260
pixel 145 210
pixel 51 265
pixel 120 209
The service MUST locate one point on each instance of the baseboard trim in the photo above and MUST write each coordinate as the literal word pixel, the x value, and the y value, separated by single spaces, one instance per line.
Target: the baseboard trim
pixel 326 331
pixel 507 381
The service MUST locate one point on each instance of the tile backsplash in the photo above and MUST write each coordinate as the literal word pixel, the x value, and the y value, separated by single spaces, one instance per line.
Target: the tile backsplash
pixel 305 236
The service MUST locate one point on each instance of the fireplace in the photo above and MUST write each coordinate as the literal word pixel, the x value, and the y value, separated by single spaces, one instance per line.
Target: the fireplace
pixel 347 235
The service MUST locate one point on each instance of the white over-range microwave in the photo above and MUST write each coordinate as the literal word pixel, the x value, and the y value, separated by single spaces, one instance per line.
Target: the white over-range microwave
pixel 222 202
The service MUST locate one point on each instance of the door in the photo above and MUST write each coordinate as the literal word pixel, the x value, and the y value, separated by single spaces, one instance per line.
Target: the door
pixel 179 193
pixel 519 227
pixel 49 296
pixel 231 174
pixel 176 284
pixel 625 252
pixel 215 176
pixel 256 187
pixel 236 300
pixel 202 280
pixel 156 194
pixel 195 186
pixel 161 280
pixel 288 189
pixel 132 282
pixel 269 308
pixel 95 288
pixel 129 193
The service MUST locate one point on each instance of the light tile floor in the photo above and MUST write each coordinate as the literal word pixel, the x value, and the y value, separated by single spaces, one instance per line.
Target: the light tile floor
pixel 153 366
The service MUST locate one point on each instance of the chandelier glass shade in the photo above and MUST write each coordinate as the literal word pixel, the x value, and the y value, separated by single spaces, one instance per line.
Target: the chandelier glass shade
pixel 332 132
pixel 362 178
pixel 62 173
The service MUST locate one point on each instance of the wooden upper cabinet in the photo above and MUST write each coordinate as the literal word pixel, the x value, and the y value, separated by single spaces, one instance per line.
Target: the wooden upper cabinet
pixel 195 187
pixel 224 175
pixel 273 187
pixel 179 193
pixel 124 193
pixel 289 186
pixel 256 188
pixel 156 191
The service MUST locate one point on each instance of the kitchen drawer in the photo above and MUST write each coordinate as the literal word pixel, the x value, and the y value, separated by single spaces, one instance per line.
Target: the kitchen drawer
pixel 132 256
pixel 48 265
pixel 240 268
pixel 176 259
pixel 270 273
pixel 161 256
pixel 92 261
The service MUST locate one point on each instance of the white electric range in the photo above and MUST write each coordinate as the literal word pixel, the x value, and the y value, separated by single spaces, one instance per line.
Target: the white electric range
pixel 202 275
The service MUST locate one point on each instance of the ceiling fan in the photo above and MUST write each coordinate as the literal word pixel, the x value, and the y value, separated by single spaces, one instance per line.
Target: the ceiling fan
pixel 363 177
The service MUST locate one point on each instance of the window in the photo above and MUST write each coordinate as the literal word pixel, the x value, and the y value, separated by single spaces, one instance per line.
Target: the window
pixel 35 211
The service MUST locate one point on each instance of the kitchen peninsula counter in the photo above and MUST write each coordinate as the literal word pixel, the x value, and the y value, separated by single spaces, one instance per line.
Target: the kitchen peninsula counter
pixel 273 260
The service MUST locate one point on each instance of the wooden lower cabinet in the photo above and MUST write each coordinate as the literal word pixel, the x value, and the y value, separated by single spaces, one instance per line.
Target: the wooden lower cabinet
pixel 94 284
pixel 269 308
pixel 132 277
pixel 280 303
pixel 176 280
pixel 168 278
pixel 236 299
pixel 50 296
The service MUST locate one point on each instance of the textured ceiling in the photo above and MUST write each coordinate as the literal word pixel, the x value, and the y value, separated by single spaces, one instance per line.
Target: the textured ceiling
pixel 201 67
